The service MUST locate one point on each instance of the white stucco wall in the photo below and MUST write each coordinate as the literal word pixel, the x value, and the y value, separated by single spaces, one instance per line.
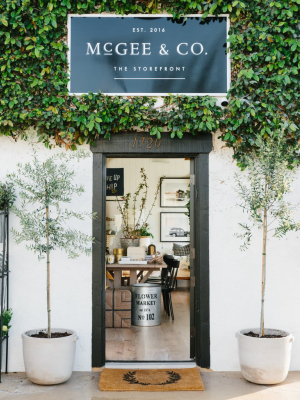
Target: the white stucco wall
pixel 71 280
pixel 234 275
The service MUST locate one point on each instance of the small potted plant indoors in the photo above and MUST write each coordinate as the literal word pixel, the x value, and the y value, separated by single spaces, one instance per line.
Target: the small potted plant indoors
pixel 134 224
pixel 43 186
pixel 145 235
pixel 7 198
pixel 265 353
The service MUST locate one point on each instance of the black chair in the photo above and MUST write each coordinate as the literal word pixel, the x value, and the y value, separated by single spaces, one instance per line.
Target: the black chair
pixel 160 280
pixel 169 283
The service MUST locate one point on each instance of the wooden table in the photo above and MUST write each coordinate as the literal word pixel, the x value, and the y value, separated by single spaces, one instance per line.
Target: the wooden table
pixel 133 268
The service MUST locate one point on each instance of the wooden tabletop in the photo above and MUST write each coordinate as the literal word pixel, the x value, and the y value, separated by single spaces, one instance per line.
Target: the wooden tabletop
pixel 136 270
pixel 135 266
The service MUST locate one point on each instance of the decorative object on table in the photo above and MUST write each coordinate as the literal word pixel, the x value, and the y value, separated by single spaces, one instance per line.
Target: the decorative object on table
pixel 136 253
pixel 133 221
pixel 265 353
pixel 174 227
pixel 118 253
pixel 132 262
pixel 151 249
pixel 114 181
pixel 145 236
pixel 110 258
pixel 145 309
pixel 129 242
pixel 149 257
pixel 43 186
pixel 118 308
pixel 173 192
pixel 157 259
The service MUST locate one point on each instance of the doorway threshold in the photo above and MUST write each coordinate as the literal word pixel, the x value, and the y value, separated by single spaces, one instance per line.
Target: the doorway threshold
pixel 150 364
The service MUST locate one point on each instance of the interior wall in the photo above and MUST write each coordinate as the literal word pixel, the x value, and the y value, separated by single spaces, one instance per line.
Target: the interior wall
pixel 170 168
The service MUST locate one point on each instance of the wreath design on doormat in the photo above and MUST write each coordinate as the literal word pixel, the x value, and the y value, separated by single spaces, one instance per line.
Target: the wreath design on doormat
pixel 131 378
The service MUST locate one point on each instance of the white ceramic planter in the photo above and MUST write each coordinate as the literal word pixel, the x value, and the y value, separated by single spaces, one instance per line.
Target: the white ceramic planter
pixel 264 360
pixel 49 361
pixel 145 241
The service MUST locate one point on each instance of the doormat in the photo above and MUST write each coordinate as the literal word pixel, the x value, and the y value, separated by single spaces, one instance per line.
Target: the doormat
pixel 150 380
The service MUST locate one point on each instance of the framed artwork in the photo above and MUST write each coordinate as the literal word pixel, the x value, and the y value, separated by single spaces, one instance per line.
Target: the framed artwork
pixel 173 192
pixel 174 227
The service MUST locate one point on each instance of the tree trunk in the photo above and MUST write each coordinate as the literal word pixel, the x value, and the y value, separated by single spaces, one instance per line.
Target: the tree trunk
pixel 48 267
pixel 263 279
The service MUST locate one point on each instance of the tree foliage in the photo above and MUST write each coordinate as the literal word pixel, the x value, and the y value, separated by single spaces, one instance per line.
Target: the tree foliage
pixel 264 95
pixel 43 186
pixel 262 190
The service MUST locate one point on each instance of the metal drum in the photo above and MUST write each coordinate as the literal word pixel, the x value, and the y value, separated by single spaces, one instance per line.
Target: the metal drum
pixel 146 299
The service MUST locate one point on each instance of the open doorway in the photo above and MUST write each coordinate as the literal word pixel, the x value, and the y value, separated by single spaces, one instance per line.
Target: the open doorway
pixel 166 215
pixel 139 145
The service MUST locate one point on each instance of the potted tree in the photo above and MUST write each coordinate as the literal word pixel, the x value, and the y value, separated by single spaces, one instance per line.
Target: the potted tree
pixel 134 223
pixel 43 186
pixel 265 353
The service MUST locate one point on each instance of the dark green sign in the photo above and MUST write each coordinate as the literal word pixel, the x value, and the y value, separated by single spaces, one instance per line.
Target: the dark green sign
pixel 148 55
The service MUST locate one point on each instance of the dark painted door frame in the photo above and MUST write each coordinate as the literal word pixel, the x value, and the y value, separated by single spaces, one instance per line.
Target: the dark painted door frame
pixel 139 145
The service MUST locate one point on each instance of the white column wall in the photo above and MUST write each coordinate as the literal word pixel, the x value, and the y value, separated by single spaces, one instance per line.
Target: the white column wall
pixel 234 275
pixel 71 280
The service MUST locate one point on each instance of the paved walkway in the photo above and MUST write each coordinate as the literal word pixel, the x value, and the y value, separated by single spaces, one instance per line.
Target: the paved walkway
pixel 84 386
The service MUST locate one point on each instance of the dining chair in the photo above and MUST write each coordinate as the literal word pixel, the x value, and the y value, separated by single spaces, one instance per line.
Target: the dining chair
pixel 169 283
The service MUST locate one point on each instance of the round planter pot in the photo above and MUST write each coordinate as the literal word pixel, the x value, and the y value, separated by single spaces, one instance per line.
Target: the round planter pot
pixel 49 361
pixel 145 241
pixel 264 360
pixel 125 243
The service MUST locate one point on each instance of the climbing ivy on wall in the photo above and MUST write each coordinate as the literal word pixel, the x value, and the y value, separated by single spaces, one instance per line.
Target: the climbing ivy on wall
pixel 263 99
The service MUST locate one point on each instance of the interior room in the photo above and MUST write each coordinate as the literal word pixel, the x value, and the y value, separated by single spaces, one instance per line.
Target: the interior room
pixel 148 259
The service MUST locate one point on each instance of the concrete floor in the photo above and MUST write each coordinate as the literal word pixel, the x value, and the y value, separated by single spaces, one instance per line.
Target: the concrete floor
pixel 84 386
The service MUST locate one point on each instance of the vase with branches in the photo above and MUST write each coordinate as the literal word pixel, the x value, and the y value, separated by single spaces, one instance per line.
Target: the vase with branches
pixel 134 223
pixel 262 190
pixel 43 187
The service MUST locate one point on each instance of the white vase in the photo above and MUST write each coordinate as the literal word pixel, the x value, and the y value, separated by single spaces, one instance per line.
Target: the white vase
pixel 145 241
pixel 49 361
pixel 264 360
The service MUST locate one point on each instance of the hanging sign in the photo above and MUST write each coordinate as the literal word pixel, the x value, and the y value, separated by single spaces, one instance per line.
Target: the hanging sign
pixel 114 181
pixel 148 55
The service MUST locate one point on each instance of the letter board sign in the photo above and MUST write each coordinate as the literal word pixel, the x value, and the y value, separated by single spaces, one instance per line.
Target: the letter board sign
pixel 114 181
pixel 148 55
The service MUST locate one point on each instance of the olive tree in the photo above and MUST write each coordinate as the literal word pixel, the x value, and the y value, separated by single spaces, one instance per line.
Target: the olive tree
pixel 262 190
pixel 43 187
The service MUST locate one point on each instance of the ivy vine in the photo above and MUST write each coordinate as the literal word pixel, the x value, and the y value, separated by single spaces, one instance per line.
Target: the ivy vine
pixel 263 99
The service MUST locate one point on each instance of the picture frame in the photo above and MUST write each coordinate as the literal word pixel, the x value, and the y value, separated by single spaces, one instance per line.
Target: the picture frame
pixel 174 227
pixel 173 192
